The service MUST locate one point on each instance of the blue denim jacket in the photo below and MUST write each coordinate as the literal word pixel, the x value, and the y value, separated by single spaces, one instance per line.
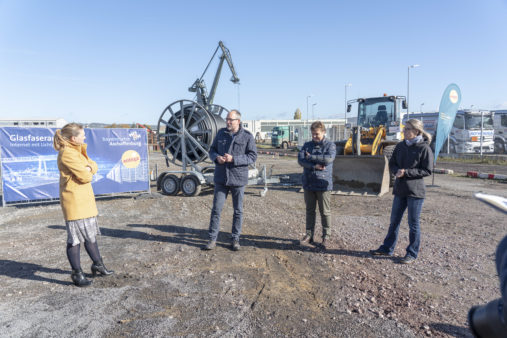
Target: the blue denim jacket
pixel 243 150
pixel 322 153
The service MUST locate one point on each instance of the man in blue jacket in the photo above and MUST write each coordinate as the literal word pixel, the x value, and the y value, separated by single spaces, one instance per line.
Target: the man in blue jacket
pixel 232 151
pixel 316 157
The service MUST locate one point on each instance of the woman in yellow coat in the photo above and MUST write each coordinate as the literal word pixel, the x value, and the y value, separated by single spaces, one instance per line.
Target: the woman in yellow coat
pixel 78 201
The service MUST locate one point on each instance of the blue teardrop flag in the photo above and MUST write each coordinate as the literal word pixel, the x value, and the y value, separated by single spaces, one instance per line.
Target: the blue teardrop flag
pixel 447 113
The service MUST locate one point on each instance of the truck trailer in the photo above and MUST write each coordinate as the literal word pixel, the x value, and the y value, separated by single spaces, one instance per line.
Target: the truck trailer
pixel 284 137
pixel 500 126
pixel 466 136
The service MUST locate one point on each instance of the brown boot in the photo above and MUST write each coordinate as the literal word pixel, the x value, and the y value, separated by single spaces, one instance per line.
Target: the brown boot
pixel 324 243
pixel 308 239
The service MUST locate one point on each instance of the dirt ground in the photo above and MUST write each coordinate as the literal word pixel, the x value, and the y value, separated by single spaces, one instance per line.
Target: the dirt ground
pixel 165 285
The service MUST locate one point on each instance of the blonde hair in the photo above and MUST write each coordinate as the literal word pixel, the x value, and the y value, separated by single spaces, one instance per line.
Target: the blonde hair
pixel 64 135
pixel 419 126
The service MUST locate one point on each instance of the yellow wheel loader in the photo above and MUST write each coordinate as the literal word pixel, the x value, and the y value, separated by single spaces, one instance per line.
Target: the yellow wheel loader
pixel 361 166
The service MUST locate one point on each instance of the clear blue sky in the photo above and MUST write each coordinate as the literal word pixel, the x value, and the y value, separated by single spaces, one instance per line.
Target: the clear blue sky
pixel 125 61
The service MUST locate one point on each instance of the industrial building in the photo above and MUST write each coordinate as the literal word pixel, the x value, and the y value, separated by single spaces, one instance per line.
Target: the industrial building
pixel 30 123
pixel 261 129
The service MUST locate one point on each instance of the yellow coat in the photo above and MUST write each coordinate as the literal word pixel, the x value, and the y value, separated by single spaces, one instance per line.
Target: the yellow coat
pixel 76 193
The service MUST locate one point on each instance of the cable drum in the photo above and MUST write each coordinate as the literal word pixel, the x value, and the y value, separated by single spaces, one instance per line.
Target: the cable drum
pixel 186 130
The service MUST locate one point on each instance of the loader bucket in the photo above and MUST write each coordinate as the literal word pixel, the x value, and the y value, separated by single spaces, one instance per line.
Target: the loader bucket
pixel 360 175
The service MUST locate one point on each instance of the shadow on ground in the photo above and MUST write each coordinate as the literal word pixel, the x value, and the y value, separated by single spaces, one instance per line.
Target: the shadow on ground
pixel 30 271
pixel 452 330
pixel 198 237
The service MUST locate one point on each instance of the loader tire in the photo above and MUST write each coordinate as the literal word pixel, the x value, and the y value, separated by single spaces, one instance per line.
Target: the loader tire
pixel 388 153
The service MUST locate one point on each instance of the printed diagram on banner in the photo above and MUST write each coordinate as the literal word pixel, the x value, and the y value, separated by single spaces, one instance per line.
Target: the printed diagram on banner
pixel 30 171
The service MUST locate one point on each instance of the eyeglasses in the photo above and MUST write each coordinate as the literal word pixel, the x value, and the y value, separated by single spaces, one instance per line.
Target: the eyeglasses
pixel 230 120
pixel 408 129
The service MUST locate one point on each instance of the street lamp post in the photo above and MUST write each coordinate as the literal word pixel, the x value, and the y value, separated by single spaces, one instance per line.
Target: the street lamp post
pixel 346 86
pixel 408 88
pixel 313 106
pixel 422 118
pixel 482 124
pixel 307 109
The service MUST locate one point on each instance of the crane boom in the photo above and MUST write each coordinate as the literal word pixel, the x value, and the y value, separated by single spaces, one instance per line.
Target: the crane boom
pixel 200 87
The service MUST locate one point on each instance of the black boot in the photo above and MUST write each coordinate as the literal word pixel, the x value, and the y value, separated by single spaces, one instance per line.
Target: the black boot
pixel 100 267
pixel 79 278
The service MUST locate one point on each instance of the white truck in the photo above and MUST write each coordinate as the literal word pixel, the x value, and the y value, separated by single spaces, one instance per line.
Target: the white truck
pixel 500 125
pixel 466 133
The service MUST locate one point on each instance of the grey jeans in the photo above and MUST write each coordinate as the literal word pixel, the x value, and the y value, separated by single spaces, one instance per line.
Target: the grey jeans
pixel 323 198
pixel 221 192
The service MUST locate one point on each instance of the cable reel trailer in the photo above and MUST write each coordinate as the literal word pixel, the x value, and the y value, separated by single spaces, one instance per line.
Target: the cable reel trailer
pixel 185 133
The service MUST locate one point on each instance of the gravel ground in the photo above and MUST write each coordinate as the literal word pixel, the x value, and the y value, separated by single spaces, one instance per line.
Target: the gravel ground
pixel 165 285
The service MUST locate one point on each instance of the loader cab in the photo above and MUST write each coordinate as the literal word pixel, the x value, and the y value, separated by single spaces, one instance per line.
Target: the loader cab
pixel 378 111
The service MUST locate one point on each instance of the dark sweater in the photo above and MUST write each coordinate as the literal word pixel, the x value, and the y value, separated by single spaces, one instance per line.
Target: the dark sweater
pixel 417 160
pixel 322 153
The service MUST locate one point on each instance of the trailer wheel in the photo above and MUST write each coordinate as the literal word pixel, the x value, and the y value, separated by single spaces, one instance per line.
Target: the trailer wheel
pixel 170 185
pixel 190 186
pixel 388 153
pixel 159 181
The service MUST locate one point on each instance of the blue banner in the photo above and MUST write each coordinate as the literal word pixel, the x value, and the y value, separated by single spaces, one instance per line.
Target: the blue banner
pixel 30 171
pixel 447 113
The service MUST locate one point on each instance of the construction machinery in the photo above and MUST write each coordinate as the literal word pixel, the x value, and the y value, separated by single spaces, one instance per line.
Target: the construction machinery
pixel 185 133
pixel 361 165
